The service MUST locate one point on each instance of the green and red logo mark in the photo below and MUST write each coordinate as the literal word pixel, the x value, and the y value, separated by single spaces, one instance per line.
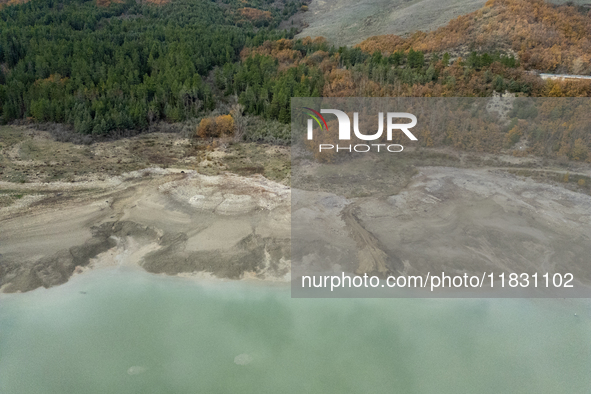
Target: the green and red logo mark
pixel 315 115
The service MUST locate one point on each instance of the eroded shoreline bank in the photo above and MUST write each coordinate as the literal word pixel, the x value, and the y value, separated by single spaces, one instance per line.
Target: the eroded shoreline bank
pixel 169 223
pixel 465 211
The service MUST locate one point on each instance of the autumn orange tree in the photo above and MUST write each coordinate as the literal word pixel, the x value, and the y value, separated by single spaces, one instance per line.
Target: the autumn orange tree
pixel 214 127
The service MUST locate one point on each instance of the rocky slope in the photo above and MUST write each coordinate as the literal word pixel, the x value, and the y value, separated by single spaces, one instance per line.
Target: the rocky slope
pixel 347 22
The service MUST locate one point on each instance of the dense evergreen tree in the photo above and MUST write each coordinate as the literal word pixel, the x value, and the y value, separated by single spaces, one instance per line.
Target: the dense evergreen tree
pixel 121 66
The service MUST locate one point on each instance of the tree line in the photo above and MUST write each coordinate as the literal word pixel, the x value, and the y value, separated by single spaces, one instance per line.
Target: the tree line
pixel 122 66
pixel 128 65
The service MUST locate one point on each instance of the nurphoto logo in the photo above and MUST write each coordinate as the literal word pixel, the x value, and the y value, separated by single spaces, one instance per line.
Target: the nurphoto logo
pixel 344 131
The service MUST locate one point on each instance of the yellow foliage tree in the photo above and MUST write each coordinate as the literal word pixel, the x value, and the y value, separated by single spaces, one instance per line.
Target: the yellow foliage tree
pixel 220 126
pixel 205 128
pixel 225 125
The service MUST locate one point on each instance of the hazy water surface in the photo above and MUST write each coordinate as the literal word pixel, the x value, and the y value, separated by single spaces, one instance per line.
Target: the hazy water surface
pixel 114 331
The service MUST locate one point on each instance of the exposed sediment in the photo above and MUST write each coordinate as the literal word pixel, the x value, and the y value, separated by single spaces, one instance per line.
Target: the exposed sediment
pixel 172 222
pixel 370 253
pixel 167 222
pixel 451 220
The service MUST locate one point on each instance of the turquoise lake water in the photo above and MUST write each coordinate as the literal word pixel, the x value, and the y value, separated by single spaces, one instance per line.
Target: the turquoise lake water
pixel 118 331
